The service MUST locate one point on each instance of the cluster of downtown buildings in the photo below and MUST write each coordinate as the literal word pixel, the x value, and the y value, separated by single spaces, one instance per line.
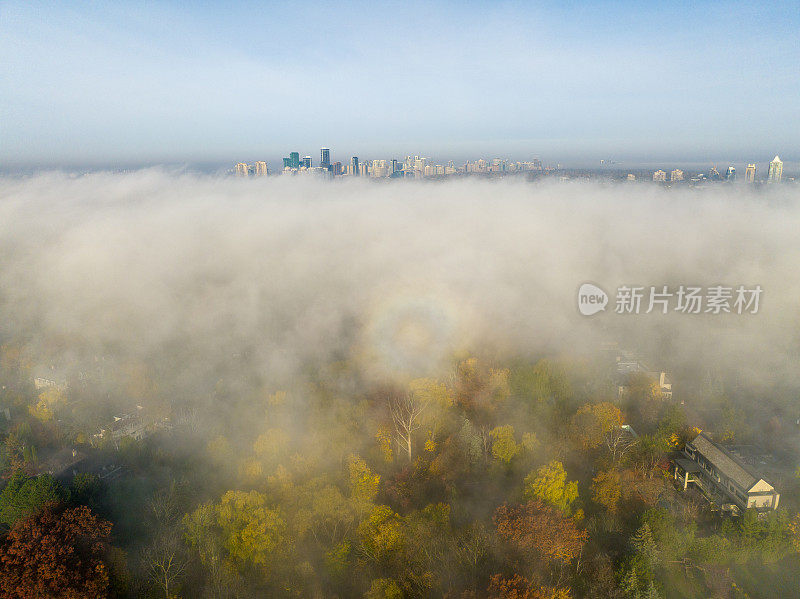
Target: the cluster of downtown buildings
pixel 417 167
pixel 774 175
pixel 411 167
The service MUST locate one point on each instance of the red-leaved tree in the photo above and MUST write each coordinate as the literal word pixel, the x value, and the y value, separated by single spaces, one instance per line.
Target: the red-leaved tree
pixel 539 530
pixel 56 554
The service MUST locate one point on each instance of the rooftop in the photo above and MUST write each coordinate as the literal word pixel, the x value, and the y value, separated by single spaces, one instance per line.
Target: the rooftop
pixel 725 462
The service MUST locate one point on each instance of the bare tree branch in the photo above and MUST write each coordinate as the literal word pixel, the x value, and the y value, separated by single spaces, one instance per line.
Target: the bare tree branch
pixel 406 412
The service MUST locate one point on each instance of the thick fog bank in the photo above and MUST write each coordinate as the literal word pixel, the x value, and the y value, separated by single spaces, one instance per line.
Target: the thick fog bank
pixel 200 271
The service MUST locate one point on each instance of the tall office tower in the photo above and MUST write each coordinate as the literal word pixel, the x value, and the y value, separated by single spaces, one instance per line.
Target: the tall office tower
pixel 354 166
pixel 287 163
pixel 294 159
pixel 775 171
pixel 337 168
pixel 676 175
pixel 261 169
pixel 241 169
pixel 660 176
pixel 306 162
pixel 419 166
pixel 537 164
pixel 394 165
pixel 324 157
pixel 750 173
pixel 730 174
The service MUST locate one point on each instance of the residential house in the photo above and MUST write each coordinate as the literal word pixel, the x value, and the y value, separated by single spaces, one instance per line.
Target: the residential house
pixel 628 365
pixel 49 376
pixel 722 476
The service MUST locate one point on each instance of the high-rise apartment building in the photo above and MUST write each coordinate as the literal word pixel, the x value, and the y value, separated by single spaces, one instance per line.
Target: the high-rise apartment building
pixel 750 173
pixel 354 166
pixel 660 175
pixel 336 167
pixel 380 168
pixel 420 164
pixel 294 159
pixel 775 171
pixel 730 174
pixel 306 162
pixel 241 169
pixel 261 169
pixel 324 157
pixel 498 165
pixel 676 175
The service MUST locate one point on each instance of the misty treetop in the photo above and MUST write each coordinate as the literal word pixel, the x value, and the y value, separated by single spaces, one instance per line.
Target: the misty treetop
pixel 517 479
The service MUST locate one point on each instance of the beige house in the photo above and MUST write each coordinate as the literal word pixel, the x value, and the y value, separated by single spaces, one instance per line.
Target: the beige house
pixel 661 378
pixel 45 377
pixel 722 476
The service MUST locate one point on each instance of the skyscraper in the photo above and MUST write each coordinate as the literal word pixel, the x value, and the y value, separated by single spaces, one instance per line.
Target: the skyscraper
pixel 775 171
pixel 730 174
pixel 261 169
pixel 354 166
pixel 676 175
pixel 324 157
pixel 380 168
pixel 750 173
pixel 307 162
pixel 294 159
pixel 337 168
pixel 241 169
pixel 660 176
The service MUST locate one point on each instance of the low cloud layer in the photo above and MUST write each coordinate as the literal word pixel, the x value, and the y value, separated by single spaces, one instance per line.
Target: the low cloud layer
pixel 400 276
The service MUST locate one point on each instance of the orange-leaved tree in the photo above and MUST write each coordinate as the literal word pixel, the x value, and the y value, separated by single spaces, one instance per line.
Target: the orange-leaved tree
pixel 540 531
pixel 56 553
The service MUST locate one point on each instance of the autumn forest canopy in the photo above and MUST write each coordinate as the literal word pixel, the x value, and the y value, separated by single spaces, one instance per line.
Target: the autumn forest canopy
pixel 227 389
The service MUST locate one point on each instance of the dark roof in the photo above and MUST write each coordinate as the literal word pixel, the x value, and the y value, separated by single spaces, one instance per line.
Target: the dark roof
pixel 725 462
pixel 688 465
pixel 60 461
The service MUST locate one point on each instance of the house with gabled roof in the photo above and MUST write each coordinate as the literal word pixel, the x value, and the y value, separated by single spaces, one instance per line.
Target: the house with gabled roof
pixel 722 476
pixel 45 377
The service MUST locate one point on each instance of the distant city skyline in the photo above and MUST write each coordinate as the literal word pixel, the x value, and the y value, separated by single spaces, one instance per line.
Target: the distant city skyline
pixel 113 84
pixel 343 160
pixel 420 167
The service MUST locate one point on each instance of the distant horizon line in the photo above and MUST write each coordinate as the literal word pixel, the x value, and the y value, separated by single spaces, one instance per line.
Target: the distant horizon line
pixel 208 166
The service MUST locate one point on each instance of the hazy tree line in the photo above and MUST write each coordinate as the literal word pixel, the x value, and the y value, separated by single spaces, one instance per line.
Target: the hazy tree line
pixel 501 478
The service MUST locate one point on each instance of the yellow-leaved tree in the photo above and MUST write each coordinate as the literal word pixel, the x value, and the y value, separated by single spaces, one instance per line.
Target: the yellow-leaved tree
pixel 549 483
pixel 242 527
pixel 504 447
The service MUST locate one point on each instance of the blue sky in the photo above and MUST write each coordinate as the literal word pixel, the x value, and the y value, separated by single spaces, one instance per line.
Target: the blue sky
pixel 128 83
